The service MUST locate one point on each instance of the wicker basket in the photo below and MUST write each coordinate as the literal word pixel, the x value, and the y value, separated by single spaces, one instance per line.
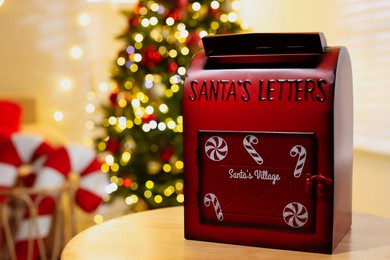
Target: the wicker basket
pixel 17 202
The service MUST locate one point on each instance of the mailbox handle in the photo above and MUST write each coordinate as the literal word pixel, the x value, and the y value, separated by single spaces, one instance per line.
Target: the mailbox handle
pixel 264 43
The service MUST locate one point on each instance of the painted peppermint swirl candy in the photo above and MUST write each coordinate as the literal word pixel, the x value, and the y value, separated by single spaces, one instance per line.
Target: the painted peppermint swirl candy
pixel 216 148
pixel 295 215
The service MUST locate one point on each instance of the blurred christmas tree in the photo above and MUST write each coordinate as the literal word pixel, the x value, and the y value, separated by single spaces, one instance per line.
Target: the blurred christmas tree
pixel 143 124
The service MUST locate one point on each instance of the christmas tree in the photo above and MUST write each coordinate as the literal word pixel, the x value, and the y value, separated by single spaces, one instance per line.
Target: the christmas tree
pixel 143 125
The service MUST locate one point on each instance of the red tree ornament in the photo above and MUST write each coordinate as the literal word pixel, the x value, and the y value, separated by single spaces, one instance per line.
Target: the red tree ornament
pixel 166 155
pixel 179 10
pixel 147 118
pixel 194 40
pixel 112 145
pixel 152 56
pixel 134 21
pixel 172 66
pixel 114 99
pixel 127 182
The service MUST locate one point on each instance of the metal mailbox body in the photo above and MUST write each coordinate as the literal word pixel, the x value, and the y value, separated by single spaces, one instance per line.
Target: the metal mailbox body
pixel 268 142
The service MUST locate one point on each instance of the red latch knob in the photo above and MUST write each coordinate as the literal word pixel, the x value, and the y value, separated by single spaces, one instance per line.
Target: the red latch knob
pixel 321 182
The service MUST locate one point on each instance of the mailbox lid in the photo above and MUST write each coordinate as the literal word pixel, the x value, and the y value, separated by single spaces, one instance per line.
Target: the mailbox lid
pixel 264 50
pixel 264 43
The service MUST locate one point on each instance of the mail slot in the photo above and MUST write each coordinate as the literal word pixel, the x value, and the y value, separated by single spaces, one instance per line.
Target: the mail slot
pixel 268 142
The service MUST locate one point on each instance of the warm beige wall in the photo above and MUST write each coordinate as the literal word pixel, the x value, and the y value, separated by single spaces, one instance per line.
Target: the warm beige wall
pixel 371 180
pixel 35 42
pixel 371 192
pixel 290 16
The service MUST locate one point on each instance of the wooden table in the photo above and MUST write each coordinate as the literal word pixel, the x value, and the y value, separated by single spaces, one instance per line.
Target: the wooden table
pixel 159 234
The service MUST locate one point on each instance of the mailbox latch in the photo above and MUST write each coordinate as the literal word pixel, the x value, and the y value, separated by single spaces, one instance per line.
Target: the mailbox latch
pixel 319 181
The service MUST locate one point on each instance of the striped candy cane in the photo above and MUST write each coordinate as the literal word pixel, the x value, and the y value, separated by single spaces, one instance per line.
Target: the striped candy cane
pixel 209 199
pixel 248 141
pixel 301 152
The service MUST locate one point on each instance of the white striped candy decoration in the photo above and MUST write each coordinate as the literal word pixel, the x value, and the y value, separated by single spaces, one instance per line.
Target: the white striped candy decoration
pixel 72 158
pixel 216 148
pixel 248 141
pixel 17 150
pixel 299 151
pixel 295 215
pixel 211 198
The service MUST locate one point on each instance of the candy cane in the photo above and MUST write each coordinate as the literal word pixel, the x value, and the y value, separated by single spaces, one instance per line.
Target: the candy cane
pixel 72 158
pixel 209 199
pixel 301 152
pixel 248 141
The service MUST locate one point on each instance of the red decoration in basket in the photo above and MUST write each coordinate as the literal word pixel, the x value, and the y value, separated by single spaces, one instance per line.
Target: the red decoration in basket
pixel 60 163
pixel 17 150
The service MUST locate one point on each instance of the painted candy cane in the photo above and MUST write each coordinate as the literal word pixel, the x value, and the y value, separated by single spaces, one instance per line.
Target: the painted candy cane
pixel 209 199
pixel 301 152
pixel 248 141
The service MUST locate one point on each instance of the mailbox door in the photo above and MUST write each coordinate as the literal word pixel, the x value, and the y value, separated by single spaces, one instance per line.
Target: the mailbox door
pixel 257 179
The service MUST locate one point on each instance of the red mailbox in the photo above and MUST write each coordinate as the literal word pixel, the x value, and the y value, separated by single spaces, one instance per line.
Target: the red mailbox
pixel 268 142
